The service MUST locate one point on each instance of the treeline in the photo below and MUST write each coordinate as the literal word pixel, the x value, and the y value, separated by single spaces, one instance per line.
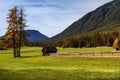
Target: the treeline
pixel 98 39
pixel 79 41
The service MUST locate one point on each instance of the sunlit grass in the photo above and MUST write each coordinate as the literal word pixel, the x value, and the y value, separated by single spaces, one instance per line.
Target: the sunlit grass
pixel 33 66
pixel 94 49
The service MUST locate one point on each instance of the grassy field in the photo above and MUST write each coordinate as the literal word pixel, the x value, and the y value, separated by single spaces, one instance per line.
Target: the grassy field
pixel 97 49
pixel 32 66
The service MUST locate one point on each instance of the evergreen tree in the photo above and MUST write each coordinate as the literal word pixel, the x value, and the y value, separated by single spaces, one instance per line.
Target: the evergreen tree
pixel 15 31
pixel 12 21
pixel 22 33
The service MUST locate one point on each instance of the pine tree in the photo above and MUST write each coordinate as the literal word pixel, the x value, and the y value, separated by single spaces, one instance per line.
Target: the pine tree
pixel 12 20
pixel 22 25
pixel 15 31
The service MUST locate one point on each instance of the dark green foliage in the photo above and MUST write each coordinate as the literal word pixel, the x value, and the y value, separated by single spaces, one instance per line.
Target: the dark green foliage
pixel 106 16
pixel 98 39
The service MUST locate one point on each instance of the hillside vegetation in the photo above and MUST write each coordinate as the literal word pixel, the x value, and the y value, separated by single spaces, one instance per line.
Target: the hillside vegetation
pixel 105 18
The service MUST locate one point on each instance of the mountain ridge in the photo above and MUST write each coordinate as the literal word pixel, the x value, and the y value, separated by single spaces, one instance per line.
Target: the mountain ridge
pixel 34 35
pixel 104 18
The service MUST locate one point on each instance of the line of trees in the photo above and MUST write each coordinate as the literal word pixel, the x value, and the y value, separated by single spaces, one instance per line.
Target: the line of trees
pixel 98 39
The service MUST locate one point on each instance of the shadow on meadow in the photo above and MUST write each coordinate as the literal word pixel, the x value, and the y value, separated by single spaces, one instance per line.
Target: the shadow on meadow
pixel 30 56
pixel 48 74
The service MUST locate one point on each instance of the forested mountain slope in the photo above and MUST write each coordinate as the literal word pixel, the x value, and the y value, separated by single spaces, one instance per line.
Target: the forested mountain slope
pixel 104 18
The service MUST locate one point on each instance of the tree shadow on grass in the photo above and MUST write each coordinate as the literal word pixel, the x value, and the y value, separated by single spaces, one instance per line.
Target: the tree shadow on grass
pixel 30 56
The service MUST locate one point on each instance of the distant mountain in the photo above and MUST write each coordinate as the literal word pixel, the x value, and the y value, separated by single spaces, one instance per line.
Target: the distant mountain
pixel 34 35
pixel 104 18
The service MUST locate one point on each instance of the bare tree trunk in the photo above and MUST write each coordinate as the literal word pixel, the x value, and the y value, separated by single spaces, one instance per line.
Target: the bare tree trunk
pixel 19 46
pixel 18 50
pixel 14 46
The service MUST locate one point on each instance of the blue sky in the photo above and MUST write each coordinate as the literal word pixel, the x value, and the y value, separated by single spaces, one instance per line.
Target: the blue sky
pixel 50 17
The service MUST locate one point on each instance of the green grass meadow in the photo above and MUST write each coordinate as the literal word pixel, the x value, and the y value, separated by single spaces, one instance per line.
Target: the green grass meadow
pixel 32 66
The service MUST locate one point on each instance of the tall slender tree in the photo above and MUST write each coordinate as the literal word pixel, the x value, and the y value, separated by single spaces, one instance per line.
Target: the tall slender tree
pixel 22 25
pixel 12 23
pixel 15 31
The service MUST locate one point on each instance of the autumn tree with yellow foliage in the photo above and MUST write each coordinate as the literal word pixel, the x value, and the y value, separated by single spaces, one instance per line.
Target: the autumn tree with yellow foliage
pixel 116 44
pixel 15 31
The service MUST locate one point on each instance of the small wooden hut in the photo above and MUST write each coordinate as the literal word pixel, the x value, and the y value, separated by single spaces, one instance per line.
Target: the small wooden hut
pixel 48 51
